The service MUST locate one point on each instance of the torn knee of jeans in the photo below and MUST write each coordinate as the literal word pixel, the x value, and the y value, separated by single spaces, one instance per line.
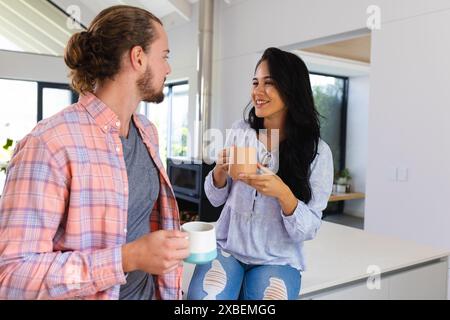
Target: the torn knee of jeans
pixel 215 280
pixel 276 290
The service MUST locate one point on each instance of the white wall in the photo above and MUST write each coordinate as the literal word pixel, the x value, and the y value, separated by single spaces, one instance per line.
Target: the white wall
pixel 243 38
pixel 33 67
pixel 409 129
pixel 357 137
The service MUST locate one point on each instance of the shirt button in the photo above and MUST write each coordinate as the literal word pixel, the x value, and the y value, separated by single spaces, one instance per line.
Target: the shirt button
pixel 118 149
pixel 106 127
pixel 125 189
pixel 118 124
pixel 125 230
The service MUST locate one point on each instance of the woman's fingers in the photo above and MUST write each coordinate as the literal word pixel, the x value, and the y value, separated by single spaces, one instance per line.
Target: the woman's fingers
pixel 264 169
pixel 255 177
pixel 223 157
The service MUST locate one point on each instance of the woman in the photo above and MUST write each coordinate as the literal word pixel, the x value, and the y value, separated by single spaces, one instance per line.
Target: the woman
pixel 268 216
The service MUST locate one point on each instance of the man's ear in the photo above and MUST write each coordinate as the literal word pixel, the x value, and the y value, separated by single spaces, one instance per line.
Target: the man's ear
pixel 137 58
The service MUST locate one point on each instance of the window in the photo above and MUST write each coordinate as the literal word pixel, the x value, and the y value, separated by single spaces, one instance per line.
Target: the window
pixel 330 97
pixel 55 97
pixel 18 113
pixel 171 120
pixel 24 103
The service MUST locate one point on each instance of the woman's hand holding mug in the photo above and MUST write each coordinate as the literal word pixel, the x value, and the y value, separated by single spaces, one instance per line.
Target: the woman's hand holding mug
pixel 220 172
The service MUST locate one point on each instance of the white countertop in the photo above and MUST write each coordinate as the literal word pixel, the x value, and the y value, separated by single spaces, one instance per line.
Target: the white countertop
pixel 340 254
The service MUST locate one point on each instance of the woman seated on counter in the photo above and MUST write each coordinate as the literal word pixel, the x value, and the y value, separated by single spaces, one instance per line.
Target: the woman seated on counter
pixel 268 216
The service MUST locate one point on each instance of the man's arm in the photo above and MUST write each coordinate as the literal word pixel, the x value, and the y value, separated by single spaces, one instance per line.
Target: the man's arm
pixel 31 210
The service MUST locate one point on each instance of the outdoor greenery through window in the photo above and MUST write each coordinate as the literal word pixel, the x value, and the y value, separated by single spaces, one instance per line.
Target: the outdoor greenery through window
pixel 330 97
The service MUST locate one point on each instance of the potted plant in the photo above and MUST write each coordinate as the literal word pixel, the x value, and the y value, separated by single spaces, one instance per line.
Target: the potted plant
pixel 343 178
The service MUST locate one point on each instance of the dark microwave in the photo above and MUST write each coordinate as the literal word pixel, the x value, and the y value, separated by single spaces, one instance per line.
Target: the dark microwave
pixel 185 176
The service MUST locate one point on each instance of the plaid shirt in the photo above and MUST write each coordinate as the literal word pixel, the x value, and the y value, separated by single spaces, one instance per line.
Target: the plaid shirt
pixel 63 213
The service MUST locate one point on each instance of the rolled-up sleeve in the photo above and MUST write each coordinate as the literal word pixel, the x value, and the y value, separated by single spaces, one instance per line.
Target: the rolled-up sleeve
pixel 32 208
pixel 217 196
pixel 304 223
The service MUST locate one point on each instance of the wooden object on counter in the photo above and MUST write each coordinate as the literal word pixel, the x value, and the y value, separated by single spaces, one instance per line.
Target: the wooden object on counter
pixel 346 196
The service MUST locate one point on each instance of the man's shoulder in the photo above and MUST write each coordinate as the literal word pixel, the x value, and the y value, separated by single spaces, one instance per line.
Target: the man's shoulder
pixel 57 125
pixel 52 133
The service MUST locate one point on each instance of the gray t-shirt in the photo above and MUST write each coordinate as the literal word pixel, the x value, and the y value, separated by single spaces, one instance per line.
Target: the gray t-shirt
pixel 143 186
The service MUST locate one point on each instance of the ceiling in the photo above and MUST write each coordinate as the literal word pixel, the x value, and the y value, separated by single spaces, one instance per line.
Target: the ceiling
pixel 357 49
pixel 44 26
pixel 160 8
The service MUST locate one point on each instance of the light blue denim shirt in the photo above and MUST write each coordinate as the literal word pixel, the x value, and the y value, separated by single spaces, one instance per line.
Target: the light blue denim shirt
pixel 252 226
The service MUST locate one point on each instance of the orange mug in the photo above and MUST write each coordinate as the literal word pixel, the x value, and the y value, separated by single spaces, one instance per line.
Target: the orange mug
pixel 242 160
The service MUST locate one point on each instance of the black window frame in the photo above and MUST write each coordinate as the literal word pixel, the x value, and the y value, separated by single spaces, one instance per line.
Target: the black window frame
pixel 169 87
pixel 339 207
pixel 344 109
pixel 41 85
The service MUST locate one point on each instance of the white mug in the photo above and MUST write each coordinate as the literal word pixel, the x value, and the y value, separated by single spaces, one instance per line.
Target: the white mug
pixel 202 242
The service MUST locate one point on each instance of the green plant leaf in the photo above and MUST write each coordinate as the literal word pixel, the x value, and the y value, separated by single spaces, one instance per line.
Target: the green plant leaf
pixel 8 144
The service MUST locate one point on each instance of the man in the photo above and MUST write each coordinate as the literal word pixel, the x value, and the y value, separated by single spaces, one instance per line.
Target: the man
pixel 87 210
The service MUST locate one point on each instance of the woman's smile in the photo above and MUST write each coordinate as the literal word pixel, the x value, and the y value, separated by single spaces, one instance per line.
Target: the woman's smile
pixel 261 103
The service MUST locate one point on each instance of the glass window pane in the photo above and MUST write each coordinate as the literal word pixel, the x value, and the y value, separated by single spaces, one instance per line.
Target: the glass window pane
pixel 18 114
pixel 179 125
pixel 328 94
pixel 158 114
pixel 54 100
pixel 18 111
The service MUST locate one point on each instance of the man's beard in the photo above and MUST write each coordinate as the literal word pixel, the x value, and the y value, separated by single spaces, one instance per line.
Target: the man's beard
pixel 146 91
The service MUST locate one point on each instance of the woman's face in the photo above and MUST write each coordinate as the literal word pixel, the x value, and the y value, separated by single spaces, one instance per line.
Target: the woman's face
pixel 265 96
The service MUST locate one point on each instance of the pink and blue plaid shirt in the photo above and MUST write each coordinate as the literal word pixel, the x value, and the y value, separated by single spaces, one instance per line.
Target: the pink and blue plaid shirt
pixel 63 212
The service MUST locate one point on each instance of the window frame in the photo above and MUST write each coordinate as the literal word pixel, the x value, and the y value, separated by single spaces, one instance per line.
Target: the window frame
pixel 41 85
pixel 169 86
pixel 344 108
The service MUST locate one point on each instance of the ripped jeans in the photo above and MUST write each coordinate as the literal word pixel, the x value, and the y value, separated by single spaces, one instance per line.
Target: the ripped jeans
pixel 226 278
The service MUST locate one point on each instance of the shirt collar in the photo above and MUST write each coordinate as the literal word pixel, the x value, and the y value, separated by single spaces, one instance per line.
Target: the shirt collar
pixel 103 116
pixel 140 126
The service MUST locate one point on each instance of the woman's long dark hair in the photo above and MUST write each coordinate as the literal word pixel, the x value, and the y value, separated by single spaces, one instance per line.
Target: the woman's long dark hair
pixel 301 127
